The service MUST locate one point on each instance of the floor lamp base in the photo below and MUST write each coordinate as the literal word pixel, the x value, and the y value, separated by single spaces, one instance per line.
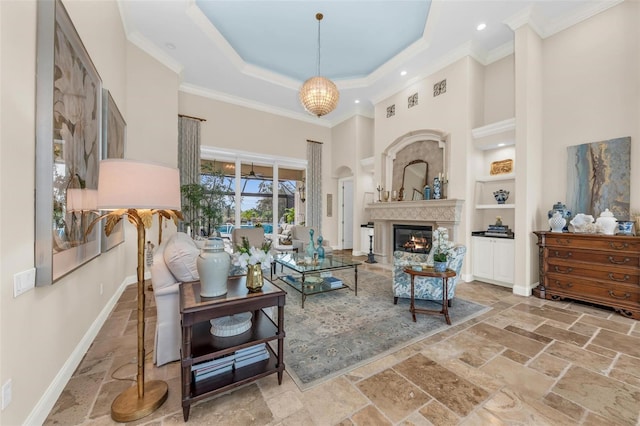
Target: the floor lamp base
pixel 127 407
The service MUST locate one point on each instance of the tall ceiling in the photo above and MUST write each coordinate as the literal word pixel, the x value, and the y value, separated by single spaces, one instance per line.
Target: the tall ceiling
pixel 258 53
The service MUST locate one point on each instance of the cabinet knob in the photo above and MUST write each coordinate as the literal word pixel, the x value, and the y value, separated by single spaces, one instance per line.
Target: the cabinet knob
pixel 559 284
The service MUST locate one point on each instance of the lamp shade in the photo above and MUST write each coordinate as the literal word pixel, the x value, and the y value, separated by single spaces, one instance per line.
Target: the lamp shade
pixel 129 184
pixel 319 96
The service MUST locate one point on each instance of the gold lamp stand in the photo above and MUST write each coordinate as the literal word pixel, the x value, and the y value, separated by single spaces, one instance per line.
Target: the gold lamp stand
pixel 138 190
pixel 141 400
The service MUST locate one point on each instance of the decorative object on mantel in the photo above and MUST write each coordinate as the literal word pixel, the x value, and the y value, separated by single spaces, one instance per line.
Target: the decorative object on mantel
pixel 606 223
pixel 379 188
pixel 319 95
pixel 385 196
pixel 583 224
pixel 427 192
pixel 560 207
pixel 557 222
pixel 598 177
pixel 501 167
pixel 436 188
pixel 501 195
pixel 213 266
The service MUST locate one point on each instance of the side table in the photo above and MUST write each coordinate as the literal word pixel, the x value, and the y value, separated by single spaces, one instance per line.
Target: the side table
pixel 429 272
pixel 199 345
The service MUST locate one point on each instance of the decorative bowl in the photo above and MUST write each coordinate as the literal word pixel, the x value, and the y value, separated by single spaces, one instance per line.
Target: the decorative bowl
pixel 501 195
pixel 582 223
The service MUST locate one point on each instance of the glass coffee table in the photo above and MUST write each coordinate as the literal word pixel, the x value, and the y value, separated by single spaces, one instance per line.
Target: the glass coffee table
pixel 314 277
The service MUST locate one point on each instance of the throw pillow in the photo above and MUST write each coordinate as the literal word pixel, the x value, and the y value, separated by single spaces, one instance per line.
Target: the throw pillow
pixel 161 276
pixel 181 254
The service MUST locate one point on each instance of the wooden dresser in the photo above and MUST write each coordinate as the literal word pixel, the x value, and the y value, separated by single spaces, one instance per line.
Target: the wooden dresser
pixel 602 269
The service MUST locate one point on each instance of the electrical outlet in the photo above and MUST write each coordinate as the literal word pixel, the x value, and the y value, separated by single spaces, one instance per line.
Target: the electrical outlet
pixel 24 281
pixel 6 394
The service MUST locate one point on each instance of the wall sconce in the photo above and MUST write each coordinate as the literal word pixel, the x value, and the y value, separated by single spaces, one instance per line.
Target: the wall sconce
pixel 302 191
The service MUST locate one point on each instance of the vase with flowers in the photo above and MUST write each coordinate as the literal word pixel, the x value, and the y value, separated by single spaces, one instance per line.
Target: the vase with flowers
pixel 443 249
pixel 252 258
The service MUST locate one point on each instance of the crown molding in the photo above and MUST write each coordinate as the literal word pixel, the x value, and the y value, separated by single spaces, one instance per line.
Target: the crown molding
pixel 550 29
pixel 235 100
pixel 155 52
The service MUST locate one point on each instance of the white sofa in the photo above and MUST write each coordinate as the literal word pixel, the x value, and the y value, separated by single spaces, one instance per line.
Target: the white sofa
pixel 174 261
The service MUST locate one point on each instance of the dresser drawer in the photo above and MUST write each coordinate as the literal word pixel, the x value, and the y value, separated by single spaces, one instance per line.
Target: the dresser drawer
pixel 570 240
pixel 615 275
pixel 608 294
pixel 602 258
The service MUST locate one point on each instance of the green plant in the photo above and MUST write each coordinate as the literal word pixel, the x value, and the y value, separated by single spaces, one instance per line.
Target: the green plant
pixel 290 215
pixel 204 204
pixel 442 247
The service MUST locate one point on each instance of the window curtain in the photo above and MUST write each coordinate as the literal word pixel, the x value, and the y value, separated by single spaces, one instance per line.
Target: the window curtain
pixel 314 186
pixel 188 153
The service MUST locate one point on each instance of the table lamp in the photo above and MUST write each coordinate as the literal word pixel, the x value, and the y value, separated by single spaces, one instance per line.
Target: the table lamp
pixel 138 190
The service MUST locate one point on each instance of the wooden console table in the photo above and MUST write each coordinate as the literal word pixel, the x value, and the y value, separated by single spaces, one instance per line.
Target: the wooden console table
pixel 602 269
pixel 199 345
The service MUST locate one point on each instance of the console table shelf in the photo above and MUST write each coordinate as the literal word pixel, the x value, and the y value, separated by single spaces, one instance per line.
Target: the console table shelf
pixel 199 345
pixel 602 269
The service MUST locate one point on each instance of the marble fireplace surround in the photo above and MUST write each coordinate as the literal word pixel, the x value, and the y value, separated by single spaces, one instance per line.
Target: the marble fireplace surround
pixel 436 213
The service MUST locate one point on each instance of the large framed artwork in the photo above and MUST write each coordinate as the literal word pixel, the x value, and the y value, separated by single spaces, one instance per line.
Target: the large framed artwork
pixel 68 148
pixel 598 177
pixel 113 139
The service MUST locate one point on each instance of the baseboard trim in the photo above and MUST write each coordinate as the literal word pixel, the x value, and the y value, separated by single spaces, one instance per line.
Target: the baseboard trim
pixel 44 406
pixel 520 290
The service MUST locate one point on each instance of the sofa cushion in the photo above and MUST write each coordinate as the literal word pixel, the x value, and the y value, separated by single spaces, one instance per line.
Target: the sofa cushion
pixel 161 276
pixel 181 254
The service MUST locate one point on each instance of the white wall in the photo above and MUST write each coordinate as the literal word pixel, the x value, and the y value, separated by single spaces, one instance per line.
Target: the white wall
pixel 499 93
pixel 42 330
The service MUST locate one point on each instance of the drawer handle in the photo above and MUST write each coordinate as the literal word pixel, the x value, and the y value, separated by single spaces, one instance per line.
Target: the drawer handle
pixel 566 271
pixel 618 247
pixel 559 284
pixel 564 242
pixel 612 277
pixel 612 294
pixel 568 255
pixel 619 262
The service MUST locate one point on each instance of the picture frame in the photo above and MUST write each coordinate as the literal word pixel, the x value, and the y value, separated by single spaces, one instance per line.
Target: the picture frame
pixel 501 167
pixel 114 134
pixel 68 146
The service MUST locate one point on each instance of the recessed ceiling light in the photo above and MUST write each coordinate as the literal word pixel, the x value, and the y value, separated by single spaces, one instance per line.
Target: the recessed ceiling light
pixel 357 101
pixel 170 46
pixel 500 144
pixel 403 73
pixel 481 26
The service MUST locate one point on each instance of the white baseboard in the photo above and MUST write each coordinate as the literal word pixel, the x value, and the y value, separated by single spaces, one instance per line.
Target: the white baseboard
pixel 44 406
pixel 523 290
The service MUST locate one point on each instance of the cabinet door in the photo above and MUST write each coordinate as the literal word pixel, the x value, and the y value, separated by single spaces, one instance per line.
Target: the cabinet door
pixel 482 257
pixel 503 261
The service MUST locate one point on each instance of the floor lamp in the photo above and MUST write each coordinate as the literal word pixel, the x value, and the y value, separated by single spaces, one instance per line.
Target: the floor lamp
pixel 138 190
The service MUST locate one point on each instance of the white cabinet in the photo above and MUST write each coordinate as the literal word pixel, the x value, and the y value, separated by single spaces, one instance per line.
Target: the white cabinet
pixel 493 260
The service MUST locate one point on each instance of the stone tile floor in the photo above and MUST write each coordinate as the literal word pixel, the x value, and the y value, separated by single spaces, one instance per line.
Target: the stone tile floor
pixel 527 361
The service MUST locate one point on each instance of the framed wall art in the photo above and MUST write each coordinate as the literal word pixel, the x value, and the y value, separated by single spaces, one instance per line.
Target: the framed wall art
pixel 113 139
pixel 68 146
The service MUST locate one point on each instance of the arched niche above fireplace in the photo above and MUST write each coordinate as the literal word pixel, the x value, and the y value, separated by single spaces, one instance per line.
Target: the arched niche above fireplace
pixel 427 145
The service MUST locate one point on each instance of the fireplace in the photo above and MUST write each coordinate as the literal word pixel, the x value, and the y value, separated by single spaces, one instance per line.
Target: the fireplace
pixel 412 238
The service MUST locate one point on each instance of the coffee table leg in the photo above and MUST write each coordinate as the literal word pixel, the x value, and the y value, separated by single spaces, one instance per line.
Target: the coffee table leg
pixel 356 267
pixel 412 307
pixel 302 291
pixel 445 299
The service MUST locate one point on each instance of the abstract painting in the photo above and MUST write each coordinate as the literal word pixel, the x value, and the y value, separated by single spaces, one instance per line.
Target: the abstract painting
pixel 68 122
pixel 598 177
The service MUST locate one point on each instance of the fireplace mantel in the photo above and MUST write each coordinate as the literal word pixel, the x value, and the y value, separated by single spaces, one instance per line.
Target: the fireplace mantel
pixel 437 213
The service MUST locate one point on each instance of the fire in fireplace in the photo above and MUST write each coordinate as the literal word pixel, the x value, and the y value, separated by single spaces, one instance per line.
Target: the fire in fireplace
pixel 412 238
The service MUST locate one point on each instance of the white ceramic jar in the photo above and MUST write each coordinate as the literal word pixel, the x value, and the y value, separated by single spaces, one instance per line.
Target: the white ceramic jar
pixel 606 223
pixel 213 265
pixel 557 222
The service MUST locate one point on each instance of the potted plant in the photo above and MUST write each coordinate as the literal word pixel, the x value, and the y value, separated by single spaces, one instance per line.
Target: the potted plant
pixel 443 249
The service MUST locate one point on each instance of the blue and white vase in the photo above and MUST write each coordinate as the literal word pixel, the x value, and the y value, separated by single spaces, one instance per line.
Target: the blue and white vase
pixel 436 188
pixel 560 207
pixel 439 266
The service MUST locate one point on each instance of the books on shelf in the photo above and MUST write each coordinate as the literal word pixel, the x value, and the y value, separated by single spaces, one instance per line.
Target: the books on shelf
pixel 251 358
pixel 333 282
pixel 238 359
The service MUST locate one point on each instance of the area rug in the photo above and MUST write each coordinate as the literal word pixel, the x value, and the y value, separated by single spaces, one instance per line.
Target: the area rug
pixel 338 331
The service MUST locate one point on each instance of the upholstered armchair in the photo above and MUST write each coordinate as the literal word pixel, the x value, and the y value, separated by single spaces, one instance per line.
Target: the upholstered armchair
pixel 424 287
pixel 254 235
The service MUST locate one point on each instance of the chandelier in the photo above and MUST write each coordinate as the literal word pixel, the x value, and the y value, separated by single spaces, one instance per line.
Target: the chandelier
pixel 319 95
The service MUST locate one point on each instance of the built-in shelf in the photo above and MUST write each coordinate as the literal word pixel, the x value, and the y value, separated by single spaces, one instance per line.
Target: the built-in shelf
pixel 495 135
pixel 496 178
pixel 495 206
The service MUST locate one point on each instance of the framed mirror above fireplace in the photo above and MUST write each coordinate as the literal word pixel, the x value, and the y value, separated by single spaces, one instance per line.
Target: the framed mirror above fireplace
pixel 414 178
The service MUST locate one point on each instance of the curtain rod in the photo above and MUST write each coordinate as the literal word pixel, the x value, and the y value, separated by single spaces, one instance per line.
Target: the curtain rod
pixel 309 140
pixel 194 118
